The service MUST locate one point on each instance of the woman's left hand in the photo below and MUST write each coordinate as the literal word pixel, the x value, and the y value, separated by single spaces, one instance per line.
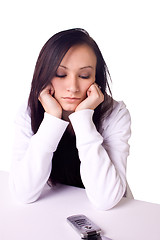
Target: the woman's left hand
pixel 94 98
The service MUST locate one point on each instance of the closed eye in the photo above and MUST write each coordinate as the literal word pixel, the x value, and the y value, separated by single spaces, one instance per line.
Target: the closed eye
pixel 84 77
pixel 61 76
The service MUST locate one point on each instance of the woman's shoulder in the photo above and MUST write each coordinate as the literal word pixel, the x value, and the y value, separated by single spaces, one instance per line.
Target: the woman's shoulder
pixel 23 113
pixel 22 120
pixel 118 106
pixel 119 113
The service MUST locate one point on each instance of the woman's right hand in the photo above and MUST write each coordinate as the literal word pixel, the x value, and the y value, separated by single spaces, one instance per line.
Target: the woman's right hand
pixel 49 103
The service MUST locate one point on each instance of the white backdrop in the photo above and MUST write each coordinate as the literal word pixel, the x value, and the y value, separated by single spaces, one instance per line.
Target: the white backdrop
pixel 128 34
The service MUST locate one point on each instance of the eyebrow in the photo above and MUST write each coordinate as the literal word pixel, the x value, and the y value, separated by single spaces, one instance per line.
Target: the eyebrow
pixel 86 67
pixel 80 68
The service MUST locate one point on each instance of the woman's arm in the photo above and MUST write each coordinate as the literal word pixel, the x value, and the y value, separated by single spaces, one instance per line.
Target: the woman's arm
pixel 32 154
pixel 103 156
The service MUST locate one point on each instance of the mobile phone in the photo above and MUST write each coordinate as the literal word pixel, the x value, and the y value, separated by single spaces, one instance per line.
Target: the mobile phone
pixel 84 226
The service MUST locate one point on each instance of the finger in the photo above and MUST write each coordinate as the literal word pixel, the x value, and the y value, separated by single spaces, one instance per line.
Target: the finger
pixel 96 89
pixel 91 89
pixel 51 90
pixel 48 89
pixel 99 90
pixel 101 95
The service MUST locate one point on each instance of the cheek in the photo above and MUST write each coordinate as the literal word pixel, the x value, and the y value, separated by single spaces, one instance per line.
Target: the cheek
pixel 87 85
pixel 56 86
pixel 85 88
pixel 54 83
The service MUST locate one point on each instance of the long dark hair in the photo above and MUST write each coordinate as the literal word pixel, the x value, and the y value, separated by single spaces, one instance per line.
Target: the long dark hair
pixel 47 64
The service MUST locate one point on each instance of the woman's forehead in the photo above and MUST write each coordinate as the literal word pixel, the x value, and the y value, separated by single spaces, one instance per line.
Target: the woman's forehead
pixel 81 56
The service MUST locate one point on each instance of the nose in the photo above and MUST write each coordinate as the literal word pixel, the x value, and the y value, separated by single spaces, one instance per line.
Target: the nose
pixel 73 85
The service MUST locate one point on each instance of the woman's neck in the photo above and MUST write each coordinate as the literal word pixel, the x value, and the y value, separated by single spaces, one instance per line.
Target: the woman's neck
pixel 65 117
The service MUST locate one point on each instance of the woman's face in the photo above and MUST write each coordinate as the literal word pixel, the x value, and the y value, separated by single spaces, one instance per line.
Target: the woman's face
pixel 74 76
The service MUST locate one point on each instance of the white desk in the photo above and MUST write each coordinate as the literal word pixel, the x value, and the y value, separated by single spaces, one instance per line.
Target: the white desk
pixel 46 218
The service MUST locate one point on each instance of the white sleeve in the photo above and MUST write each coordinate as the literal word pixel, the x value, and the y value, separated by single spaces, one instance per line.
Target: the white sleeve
pixel 103 156
pixel 32 155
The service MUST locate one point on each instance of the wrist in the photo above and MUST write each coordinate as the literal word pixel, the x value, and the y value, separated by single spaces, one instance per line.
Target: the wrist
pixel 55 114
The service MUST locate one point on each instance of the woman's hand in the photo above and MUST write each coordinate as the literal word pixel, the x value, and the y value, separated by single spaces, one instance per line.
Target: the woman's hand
pixel 94 98
pixel 49 103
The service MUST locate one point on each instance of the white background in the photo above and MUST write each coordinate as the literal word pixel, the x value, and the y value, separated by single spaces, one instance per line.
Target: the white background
pixel 128 34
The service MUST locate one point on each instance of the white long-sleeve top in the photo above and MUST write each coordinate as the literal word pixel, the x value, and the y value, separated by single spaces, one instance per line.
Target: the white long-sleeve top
pixel 103 154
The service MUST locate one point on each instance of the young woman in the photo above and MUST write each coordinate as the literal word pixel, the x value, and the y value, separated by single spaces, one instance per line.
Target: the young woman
pixel 71 131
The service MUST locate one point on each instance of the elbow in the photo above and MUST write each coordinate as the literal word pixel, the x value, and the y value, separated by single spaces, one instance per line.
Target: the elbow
pixel 20 195
pixel 107 200
pixel 25 199
pixel 105 205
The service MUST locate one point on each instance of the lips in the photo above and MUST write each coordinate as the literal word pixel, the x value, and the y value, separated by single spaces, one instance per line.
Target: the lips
pixel 71 99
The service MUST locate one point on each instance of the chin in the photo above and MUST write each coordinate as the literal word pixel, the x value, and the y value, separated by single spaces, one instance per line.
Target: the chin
pixel 69 108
